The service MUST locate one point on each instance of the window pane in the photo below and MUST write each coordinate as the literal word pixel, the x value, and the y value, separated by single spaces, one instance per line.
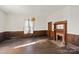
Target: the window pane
pixel 26 28
pixel 31 26
pixel 26 23
pixel 30 23
pixel 31 29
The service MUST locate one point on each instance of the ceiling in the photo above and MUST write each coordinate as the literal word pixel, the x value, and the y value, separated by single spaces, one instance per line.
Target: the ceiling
pixel 30 9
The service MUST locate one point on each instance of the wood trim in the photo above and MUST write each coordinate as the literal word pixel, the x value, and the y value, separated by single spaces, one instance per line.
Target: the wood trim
pixel 74 39
pixel 50 32
pixel 20 34
pixel 1 36
pixel 61 22
pixel 40 33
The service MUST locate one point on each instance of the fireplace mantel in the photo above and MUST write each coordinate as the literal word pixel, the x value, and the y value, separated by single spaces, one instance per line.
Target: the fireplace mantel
pixel 60 31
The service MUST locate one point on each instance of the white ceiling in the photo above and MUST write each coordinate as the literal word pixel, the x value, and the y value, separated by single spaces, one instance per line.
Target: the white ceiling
pixel 30 9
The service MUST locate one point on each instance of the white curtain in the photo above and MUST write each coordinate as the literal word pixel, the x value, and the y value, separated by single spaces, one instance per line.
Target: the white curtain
pixel 28 26
pixel 31 26
pixel 26 29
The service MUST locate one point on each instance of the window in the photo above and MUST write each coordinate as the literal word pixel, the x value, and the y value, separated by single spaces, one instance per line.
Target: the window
pixel 28 26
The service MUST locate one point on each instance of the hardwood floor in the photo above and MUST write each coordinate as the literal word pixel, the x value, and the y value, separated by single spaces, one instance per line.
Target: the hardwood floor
pixel 36 45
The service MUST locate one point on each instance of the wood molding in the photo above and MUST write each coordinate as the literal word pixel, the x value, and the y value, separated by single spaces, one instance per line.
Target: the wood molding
pixel 40 33
pixel 74 39
pixel 1 36
pixel 61 22
pixel 51 34
pixel 20 34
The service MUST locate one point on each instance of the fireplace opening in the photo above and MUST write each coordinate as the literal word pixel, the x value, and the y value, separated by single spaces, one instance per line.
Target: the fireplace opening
pixel 59 38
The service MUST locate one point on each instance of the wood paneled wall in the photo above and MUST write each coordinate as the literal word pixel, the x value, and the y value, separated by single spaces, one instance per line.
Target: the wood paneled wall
pixel 1 36
pixel 74 39
pixel 20 34
pixel 50 33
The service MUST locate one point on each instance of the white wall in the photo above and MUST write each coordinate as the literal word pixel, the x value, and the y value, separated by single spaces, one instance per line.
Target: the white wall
pixel 71 14
pixel 74 22
pixel 2 21
pixel 17 14
pixel 16 22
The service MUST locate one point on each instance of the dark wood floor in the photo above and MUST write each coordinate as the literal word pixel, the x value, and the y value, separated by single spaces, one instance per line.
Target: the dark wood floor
pixel 37 45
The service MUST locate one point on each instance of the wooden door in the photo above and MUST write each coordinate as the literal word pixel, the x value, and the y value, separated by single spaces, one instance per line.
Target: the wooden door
pixel 49 29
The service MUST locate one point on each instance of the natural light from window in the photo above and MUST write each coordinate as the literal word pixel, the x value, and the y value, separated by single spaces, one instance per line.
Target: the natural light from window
pixel 28 26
